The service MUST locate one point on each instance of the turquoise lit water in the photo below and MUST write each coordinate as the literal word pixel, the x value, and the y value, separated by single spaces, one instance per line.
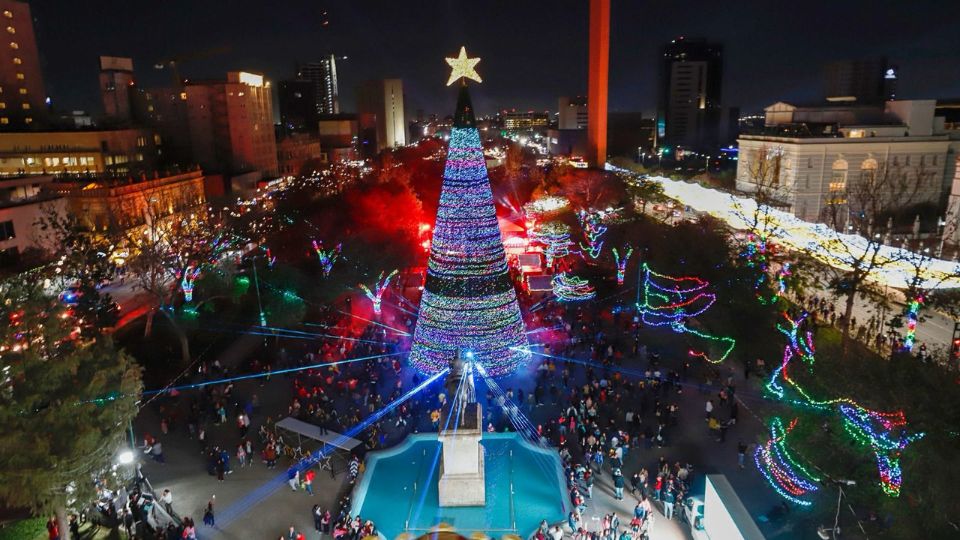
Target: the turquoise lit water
pixel 399 491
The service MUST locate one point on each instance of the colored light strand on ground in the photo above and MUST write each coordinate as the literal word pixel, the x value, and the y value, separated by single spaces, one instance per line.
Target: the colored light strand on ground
pixel 469 302
pixel 186 282
pixel 912 318
pixel 621 262
pixel 376 295
pixel 328 257
pixel 572 288
pixel 884 432
pixel 673 301
pixel 782 471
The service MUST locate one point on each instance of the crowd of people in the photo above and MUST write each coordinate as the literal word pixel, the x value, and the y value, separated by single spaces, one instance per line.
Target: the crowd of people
pixel 595 410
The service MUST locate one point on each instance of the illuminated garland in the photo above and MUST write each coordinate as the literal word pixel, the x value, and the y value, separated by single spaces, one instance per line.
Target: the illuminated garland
pixel 555 237
pixel 186 282
pixel 327 256
pixel 572 288
pixel 865 426
pixel 671 301
pixel 376 295
pixel 912 318
pixel 781 288
pixel 469 302
pixel 784 474
pixel 622 262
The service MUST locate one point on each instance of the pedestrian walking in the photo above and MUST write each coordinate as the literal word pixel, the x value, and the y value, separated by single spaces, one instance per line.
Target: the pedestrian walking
pixel 293 477
pixel 208 518
pixel 308 481
pixel 618 483
pixel 741 453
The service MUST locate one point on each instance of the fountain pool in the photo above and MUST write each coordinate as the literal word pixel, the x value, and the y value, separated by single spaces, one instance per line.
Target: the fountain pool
pixel 524 485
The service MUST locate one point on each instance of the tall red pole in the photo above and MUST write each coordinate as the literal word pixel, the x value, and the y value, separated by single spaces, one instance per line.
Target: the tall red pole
pixel 597 84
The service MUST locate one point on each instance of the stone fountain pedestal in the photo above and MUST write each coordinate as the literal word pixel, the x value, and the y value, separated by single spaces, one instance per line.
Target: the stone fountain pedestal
pixel 461 468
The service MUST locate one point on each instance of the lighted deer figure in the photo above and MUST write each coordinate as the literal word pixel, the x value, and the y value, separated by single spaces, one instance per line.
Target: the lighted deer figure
pixel 376 295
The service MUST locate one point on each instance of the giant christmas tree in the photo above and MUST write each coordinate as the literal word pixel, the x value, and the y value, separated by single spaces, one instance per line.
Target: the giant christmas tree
pixel 468 303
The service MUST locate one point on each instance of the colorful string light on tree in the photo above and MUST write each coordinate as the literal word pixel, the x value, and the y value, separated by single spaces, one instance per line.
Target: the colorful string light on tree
pixel 572 288
pixel 783 472
pixel 593 229
pixel 328 257
pixel 913 311
pixel 376 295
pixel 555 237
pixel 469 302
pixel 671 301
pixel 186 282
pixel 621 262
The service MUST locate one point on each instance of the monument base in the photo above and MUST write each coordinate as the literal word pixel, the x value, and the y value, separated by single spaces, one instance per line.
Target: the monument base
pixel 461 480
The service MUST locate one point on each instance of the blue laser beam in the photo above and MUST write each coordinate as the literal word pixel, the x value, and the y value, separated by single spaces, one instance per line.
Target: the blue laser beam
pixel 257 495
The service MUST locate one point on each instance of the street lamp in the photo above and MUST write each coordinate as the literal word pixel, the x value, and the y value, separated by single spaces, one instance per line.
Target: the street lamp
pixel 125 457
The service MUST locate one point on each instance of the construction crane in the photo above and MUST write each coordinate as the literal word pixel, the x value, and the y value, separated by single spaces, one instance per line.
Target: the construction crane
pixel 173 63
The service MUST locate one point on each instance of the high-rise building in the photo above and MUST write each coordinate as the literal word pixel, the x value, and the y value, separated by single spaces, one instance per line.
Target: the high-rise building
pixel 573 113
pixel 22 94
pixel 116 84
pixel 298 106
pixel 380 104
pixel 864 81
pixel 599 69
pixel 688 111
pixel 323 75
pixel 525 120
pixel 231 124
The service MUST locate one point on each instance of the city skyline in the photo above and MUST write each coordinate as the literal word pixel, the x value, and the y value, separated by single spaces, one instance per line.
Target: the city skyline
pixel 527 70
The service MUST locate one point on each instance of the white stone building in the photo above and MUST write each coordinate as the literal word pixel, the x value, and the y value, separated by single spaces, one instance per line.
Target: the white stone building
pixel 814 153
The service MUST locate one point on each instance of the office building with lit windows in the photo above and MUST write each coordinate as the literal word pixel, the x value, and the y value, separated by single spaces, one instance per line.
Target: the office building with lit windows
pixel 231 124
pixel 78 152
pixel 688 110
pixel 22 93
pixel 380 107
pixel 323 77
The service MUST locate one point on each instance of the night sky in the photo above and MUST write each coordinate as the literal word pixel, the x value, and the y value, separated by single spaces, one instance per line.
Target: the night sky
pixel 533 51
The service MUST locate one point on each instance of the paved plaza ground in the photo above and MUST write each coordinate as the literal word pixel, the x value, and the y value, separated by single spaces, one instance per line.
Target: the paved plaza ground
pixel 267 514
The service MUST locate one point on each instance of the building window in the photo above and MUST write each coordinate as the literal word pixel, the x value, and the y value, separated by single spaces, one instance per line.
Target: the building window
pixel 908 161
pixel 157 140
pixel 139 156
pixel 141 142
pixel 27 120
pixel 838 176
pixel 7 14
pixel 17 60
pixel 868 171
pixel 3 104
pixel 25 106
pixel 4 120
pixel 14 45
pixel 20 76
pixel 6 230
pixel 23 91
pixel 11 30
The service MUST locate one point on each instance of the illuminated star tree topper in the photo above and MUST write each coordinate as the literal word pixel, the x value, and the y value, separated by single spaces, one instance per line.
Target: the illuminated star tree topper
pixel 463 67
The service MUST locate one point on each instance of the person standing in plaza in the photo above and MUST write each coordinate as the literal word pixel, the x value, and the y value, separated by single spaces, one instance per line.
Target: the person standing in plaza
pixel 167 499
pixel 618 483
pixel 308 481
pixel 741 453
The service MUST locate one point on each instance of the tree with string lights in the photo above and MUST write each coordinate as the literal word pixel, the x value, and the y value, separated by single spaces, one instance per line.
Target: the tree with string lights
pixel 64 404
pixel 469 302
